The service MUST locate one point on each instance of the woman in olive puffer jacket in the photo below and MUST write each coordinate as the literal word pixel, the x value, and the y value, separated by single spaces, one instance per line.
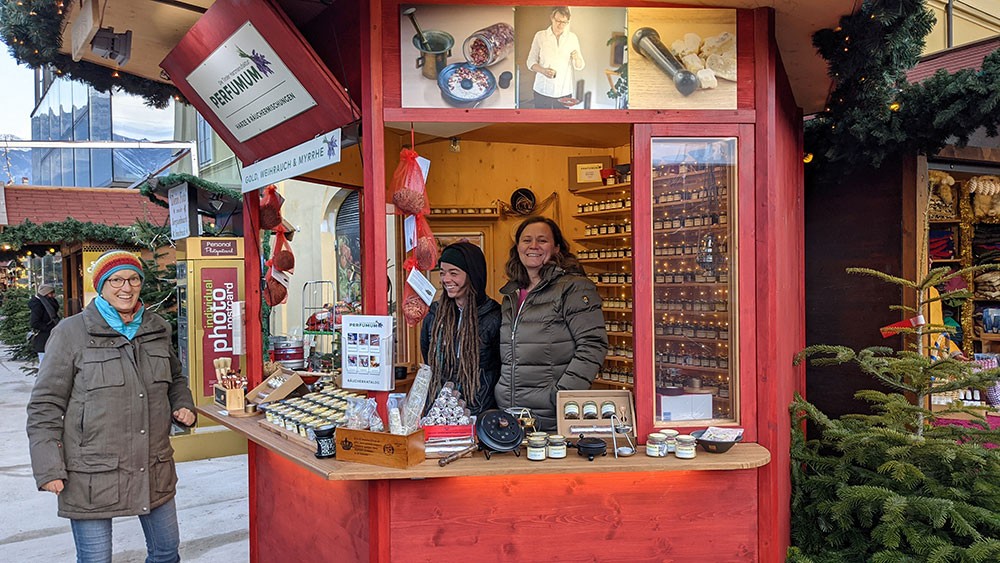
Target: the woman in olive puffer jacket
pixel 553 335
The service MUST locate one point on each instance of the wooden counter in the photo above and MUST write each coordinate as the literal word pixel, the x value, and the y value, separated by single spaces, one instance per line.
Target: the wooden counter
pixel 742 456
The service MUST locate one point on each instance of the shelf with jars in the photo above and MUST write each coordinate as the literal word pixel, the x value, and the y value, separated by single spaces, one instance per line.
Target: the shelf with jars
pixel 691 227
pixel 606 253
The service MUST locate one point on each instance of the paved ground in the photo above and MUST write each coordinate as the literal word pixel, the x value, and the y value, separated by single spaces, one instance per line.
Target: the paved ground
pixel 211 500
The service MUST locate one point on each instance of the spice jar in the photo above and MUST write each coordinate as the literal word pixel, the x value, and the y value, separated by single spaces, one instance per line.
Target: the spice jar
pixel 590 410
pixel 325 446
pixel 686 447
pixel 537 446
pixel 607 409
pixel 489 45
pixel 671 440
pixel 571 410
pixel 557 446
pixel 655 446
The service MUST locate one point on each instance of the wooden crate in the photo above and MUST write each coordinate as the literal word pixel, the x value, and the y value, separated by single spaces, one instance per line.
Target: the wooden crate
pixel 264 393
pixel 380 448
pixel 233 400
pixel 622 399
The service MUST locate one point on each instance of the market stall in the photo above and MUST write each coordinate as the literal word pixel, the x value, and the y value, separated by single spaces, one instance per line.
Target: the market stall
pixel 685 209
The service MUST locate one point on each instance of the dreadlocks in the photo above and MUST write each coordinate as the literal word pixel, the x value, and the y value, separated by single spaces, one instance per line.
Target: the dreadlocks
pixel 454 352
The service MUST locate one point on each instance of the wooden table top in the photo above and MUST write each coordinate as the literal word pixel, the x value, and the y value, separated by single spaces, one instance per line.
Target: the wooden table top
pixel 741 456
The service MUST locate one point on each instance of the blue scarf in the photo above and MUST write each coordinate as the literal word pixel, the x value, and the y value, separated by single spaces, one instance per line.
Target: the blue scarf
pixel 114 318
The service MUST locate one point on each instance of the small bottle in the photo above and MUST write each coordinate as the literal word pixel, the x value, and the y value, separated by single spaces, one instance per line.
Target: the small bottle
pixel 571 410
pixel 556 446
pixel 590 410
pixel 537 447
pixel 686 447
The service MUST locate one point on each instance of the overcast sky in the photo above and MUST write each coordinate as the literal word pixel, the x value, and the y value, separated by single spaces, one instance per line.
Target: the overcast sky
pixel 17 96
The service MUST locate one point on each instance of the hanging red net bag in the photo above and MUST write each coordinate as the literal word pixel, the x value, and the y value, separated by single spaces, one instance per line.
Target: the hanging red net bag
pixel 270 208
pixel 413 306
pixel 426 252
pixel 408 191
pixel 282 259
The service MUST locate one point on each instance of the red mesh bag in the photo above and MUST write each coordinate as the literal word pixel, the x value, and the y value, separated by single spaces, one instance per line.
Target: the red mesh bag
pixel 275 287
pixel 414 308
pixel 282 259
pixel 426 252
pixel 270 208
pixel 408 191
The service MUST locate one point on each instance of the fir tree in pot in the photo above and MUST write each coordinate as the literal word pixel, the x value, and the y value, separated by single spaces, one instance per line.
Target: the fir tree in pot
pixel 892 486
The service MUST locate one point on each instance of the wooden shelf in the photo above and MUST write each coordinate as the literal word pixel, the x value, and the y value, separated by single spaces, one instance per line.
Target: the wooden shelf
pixel 658 310
pixel 719 227
pixel 625 212
pixel 691 202
pixel 618 359
pixel 988 337
pixel 619 285
pixel 605 260
pixel 689 284
pixel 441 213
pixel 613 189
pixel 615 383
pixel 621 334
pixel 678 176
pixel 619 310
pixel 694 368
pixel 675 338
pixel 617 236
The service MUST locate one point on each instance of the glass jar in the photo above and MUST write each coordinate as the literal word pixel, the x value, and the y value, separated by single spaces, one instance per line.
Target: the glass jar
pixel 571 410
pixel 537 447
pixel 557 446
pixel 686 447
pixel 590 410
pixel 671 439
pixel 655 446
pixel 608 409
pixel 489 45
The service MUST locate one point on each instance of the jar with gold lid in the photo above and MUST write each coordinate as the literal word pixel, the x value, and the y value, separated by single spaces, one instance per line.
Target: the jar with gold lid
pixel 655 446
pixel 556 446
pixel 537 446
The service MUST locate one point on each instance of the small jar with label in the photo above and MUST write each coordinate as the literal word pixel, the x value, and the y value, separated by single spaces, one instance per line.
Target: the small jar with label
pixel 686 447
pixel 571 410
pixel 655 445
pixel 537 446
pixel 556 446
pixel 590 410
pixel 608 409
pixel 670 439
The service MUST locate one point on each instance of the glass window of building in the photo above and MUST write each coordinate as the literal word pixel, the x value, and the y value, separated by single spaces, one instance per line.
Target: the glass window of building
pixel 693 186
pixel 204 132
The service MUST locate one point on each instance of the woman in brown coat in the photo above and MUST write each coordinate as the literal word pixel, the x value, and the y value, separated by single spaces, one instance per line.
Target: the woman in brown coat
pixel 100 414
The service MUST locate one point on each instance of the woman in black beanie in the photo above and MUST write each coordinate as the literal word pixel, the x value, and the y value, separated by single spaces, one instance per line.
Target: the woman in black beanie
pixel 460 337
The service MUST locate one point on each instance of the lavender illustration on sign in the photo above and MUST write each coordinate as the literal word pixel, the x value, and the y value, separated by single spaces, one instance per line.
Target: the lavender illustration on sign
pixel 262 64
pixel 331 146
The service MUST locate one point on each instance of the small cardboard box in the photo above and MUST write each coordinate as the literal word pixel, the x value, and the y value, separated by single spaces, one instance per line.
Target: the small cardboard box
pixel 270 390
pixel 380 448
pixel 623 403
pixel 585 171
pixel 233 400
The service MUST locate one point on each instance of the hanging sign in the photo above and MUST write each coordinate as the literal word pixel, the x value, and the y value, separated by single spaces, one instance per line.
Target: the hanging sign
pixel 178 199
pixel 246 85
pixel 310 155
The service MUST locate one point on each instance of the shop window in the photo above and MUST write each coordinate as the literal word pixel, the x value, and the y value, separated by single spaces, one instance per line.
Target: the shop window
pixel 348 252
pixel 693 187
pixel 204 140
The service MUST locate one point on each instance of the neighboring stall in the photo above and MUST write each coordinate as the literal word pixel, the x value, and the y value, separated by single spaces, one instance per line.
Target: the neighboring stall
pixel 686 209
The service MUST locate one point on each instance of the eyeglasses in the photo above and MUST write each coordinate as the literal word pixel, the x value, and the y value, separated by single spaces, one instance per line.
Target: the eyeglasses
pixel 118 283
pixel 564 22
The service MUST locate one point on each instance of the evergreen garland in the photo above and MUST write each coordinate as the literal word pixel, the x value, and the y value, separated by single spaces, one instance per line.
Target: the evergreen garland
pixel 874 114
pixel 891 486
pixel 72 231
pixel 32 30
pixel 149 187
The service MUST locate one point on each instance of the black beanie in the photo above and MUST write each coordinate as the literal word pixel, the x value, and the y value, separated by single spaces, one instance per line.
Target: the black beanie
pixel 469 258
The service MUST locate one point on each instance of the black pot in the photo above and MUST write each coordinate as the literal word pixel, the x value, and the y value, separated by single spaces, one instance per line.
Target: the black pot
pixel 591 447
pixel 499 431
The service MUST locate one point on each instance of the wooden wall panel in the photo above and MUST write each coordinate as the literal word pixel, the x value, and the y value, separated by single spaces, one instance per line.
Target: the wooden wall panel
pixel 300 517
pixel 688 516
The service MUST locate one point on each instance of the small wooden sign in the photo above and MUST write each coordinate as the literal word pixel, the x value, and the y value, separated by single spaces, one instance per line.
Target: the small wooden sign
pixel 380 448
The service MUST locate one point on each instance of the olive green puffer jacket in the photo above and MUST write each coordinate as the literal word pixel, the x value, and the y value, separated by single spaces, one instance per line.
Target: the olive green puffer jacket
pixel 100 413
pixel 557 341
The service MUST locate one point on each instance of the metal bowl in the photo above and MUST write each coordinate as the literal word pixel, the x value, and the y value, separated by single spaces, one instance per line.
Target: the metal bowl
pixel 466 94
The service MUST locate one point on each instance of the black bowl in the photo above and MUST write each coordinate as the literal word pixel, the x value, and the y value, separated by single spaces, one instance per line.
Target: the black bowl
pixel 713 446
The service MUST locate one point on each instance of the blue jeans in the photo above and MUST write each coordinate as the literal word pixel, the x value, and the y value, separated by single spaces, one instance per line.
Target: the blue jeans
pixel 93 537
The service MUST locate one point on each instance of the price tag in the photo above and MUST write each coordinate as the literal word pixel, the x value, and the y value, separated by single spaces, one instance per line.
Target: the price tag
pixel 410 232
pixel 420 284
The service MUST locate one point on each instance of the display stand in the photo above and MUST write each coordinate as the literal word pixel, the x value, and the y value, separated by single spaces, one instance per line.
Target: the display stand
pixel 320 326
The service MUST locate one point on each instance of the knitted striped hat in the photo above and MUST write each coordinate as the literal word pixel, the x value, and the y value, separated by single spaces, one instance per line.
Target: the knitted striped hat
pixel 114 261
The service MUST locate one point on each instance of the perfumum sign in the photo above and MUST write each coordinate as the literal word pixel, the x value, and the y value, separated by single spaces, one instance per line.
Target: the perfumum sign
pixel 247 86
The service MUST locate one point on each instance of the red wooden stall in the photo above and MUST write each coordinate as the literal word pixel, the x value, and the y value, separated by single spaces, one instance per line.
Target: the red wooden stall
pixel 715 508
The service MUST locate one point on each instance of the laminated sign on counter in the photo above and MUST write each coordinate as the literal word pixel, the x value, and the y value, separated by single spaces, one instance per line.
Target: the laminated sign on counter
pixel 366 352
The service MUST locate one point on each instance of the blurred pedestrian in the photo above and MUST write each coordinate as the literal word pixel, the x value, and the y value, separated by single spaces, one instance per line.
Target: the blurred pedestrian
pixel 44 317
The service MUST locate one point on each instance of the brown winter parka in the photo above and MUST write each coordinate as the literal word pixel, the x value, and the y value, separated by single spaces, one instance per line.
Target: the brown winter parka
pixel 100 416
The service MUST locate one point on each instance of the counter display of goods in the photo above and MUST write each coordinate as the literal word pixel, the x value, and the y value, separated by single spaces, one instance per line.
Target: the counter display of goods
pixel 693 185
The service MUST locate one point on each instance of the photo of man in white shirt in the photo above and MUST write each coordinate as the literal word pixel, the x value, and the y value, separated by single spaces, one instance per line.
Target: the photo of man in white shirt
pixel 554 56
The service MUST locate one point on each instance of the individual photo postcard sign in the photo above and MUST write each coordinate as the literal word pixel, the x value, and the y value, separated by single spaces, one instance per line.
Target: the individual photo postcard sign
pixel 456 56
pixel 681 58
pixel 366 343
